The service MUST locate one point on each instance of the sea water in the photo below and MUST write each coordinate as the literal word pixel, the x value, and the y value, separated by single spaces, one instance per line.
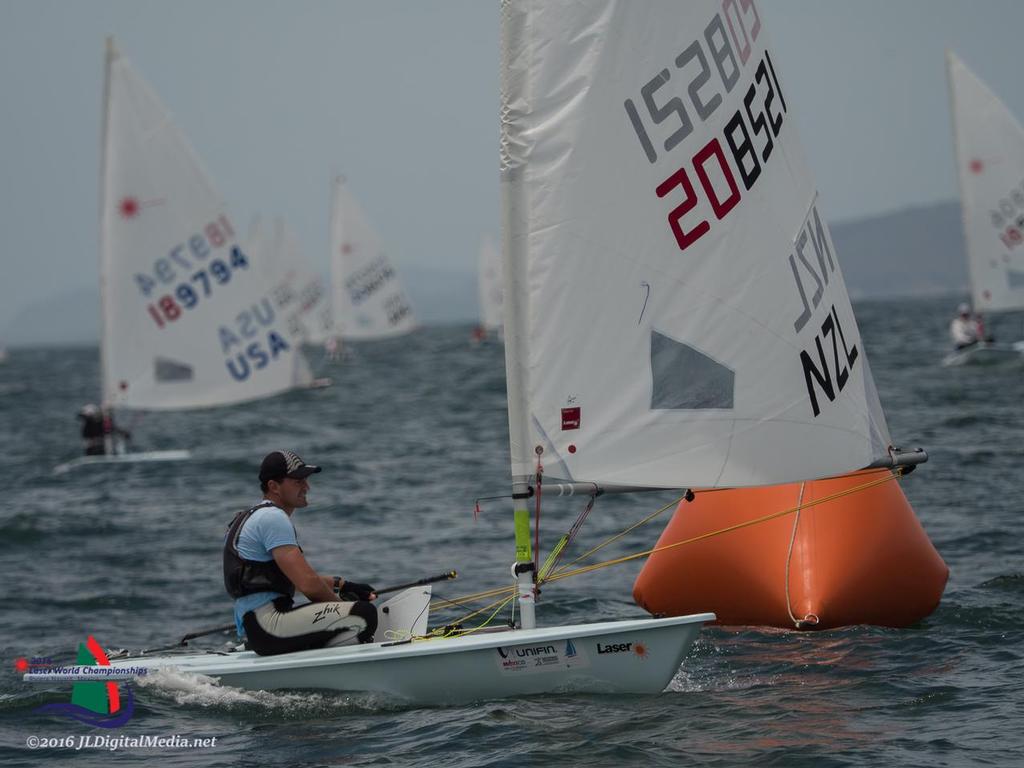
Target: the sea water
pixel 410 434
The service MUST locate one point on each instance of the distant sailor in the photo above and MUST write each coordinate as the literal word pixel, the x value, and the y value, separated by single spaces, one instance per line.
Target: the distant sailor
pixel 113 436
pixel 979 329
pixel 963 331
pixel 332 348
pixel 92 430
pixel 264 565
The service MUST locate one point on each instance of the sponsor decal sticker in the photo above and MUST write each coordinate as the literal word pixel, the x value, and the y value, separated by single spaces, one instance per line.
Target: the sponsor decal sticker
pixel 571 418
pixel 638 649
pixel 557 656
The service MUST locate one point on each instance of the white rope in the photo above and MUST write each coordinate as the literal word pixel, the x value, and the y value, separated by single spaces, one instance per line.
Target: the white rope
pixel 809 619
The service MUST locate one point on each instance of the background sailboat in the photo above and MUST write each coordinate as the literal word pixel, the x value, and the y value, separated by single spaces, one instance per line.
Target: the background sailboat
pixel 490 290
pixel 990 168
pixel 187 317
pixel 367 296
pixel 299 294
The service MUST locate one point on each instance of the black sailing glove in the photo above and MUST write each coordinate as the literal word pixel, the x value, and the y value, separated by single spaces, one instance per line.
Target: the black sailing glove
pixel 356 590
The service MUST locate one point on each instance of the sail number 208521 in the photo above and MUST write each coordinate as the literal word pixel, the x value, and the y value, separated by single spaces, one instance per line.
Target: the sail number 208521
pixel 749 134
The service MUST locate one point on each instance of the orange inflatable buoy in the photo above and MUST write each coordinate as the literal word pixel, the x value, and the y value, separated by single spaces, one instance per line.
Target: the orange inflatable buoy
pixel 861 558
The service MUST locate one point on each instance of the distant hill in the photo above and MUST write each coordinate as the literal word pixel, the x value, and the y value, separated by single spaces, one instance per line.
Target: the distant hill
pixel 440 296
pixel 72 317
pixel 911 252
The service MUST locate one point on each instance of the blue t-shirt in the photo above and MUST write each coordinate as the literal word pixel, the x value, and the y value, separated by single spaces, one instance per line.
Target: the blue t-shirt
pixel 265 529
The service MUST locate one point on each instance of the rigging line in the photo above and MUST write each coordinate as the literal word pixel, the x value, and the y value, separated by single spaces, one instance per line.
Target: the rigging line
pixel 451 627
pixel 809 618
pixel 408 634
pixel 617 561
pixel 536 528
pixel 458 601
pixel 563 572
pixel 617 536
pixel 490 618
pixel 497 605
pixel 563 542
pixel 480 595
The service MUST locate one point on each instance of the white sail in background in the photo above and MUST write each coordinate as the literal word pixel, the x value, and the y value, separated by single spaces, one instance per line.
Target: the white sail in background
pixel 298 293
pixel 489 278
pixel 675 311
pixel 990 164
pixel 368 300
pixel 187 318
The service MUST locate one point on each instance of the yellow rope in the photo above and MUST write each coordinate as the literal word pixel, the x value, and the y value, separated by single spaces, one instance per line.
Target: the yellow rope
pixel 839 494
pixel 616 537
pixel 497 605
pixel 457 601
pixel 505 590
pixel 508 593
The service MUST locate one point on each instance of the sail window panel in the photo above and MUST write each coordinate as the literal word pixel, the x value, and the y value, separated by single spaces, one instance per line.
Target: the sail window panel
pixel 684 378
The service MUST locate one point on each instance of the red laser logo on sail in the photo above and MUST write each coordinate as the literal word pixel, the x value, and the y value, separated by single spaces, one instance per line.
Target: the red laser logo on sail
pixel 130 206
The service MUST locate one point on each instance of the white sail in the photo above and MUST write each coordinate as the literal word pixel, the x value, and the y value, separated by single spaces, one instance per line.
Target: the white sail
pixel 187 316
pixel 990 165
pixel 675 311
pixel 298 293
pixel 491 292
pixel 368 299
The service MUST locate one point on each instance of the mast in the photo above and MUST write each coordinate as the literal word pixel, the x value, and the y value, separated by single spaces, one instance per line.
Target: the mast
pixel 515 203
pixel 111 55
pixel 959 166
pixel 332 244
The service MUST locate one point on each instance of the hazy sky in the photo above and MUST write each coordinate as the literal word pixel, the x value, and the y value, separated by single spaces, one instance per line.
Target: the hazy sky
pixel 402 97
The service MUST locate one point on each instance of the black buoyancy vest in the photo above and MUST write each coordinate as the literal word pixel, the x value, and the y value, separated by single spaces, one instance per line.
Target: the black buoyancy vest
pixel 92 426
pixel 247 577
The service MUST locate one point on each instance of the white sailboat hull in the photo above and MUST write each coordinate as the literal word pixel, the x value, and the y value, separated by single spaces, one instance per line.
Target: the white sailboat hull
pixel 985 353
pixel 638 656
pixel 123 458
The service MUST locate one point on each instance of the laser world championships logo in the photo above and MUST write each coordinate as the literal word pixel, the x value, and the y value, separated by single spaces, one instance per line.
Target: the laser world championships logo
pixel 98 703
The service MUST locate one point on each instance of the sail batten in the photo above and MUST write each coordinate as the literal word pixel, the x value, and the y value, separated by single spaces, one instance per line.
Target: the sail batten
pixel 676 315
pixel 187 320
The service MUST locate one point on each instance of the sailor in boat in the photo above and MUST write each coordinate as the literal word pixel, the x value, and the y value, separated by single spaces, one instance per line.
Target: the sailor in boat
pixel 332 348
pixel 979 329
pixel 264 566
pixel 113 436
pixel 92 430
pixel 963 331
